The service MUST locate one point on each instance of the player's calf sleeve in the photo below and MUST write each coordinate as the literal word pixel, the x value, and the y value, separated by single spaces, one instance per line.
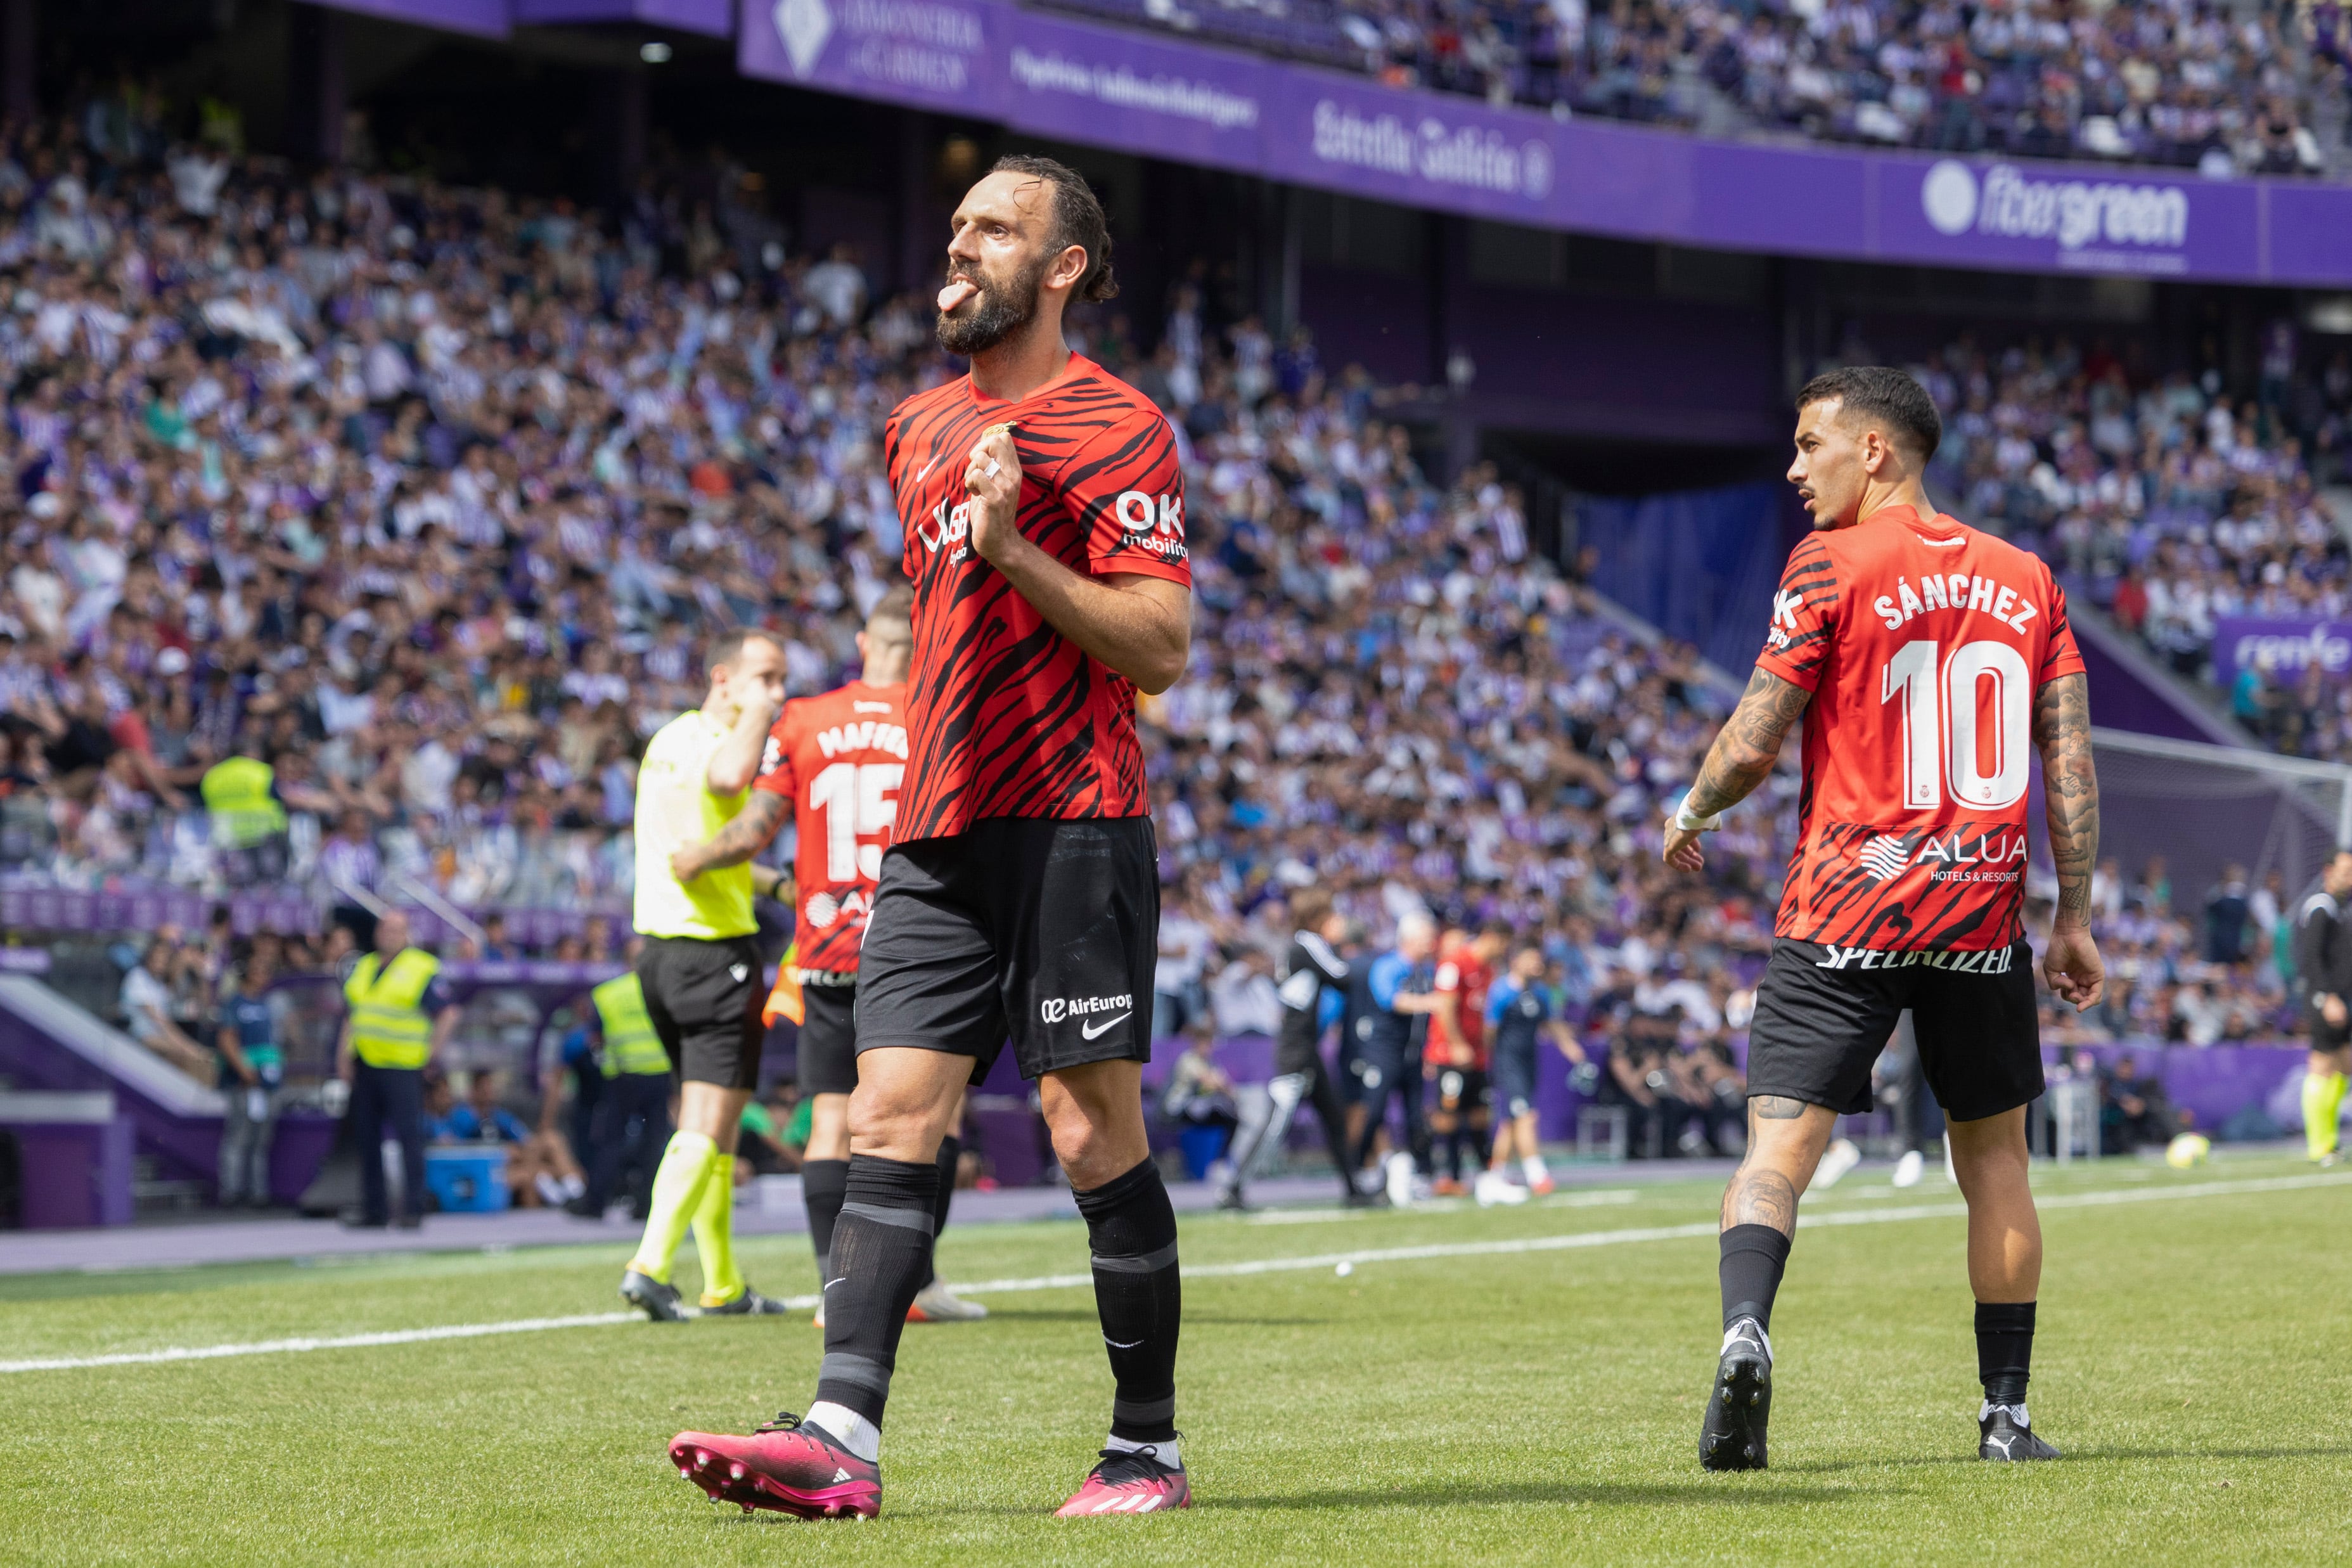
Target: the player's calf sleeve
pixel 714 1232
pixel 678 1189
pixel 951 1155
pixel 880 1257
pixel 822 1185
pixel 1131 1231
pixel 2323 1100
pixel 2004 1350
pixel 1754 1256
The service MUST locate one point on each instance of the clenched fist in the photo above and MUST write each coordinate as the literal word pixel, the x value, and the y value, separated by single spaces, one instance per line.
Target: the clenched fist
pixel 992 481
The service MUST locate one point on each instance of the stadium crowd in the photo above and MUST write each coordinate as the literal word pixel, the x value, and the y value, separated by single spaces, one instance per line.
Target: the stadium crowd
pixel 422 500
pixel 2183 82
pixel 2169 501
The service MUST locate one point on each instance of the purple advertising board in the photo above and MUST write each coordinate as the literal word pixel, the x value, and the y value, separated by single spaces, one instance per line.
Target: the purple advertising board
pixel 711 18
pixel 2281 646
pixel 1114 87
pixel 483 18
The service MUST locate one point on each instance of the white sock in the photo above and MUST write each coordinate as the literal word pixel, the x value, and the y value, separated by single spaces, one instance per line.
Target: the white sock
pixel 1166 1452
pixel 1536 1169
pixel 848 1428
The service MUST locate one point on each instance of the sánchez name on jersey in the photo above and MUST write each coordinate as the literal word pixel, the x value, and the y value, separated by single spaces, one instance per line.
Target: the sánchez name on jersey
pixel 1007 716
pixel 837 760
pixel 1924 643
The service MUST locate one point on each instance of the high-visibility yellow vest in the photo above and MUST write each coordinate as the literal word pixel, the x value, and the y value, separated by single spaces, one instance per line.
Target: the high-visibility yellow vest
pixel 237 795
pixel 389 1026
pixel 674 808
pixel 630 1043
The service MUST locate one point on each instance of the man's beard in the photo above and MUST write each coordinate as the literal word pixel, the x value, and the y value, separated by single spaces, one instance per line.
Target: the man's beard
pixel 996 312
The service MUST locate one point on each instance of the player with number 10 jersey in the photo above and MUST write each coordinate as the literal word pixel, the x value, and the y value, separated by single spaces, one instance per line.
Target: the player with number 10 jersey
pixel 1923 642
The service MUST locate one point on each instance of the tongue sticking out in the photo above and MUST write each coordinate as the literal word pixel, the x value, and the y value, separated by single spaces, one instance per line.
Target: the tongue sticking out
pixel 955 294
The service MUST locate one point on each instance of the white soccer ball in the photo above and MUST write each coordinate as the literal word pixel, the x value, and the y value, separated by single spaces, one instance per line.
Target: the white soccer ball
pixel 1344 1269
pixel 2188 1149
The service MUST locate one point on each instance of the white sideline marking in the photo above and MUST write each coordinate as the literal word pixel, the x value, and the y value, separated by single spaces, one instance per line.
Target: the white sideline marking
pixel 1571 1242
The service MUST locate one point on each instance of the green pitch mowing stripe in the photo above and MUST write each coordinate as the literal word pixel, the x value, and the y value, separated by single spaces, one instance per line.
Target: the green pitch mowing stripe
pixel 1515 1245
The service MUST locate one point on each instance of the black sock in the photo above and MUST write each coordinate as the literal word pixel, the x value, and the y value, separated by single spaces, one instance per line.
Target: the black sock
pixel 881 1251
pixel 2004 1350
pixel 1453 1155
pixel 1131 1231
pixel 951 1152
pixel 1753 1258
pixel 822 1183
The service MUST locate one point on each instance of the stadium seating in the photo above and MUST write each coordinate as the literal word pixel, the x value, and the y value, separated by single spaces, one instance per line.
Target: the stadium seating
pixel 2198 85
pixel 428 496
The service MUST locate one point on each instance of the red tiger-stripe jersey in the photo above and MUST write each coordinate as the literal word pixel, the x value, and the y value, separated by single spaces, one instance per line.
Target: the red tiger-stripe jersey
pixel 837 761
pixel 1924 643
pixel 1007 716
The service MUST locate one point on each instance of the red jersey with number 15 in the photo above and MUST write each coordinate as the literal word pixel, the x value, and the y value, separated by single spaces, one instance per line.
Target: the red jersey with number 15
pixel 837 760
pixel 1007 716
pixel 1924 643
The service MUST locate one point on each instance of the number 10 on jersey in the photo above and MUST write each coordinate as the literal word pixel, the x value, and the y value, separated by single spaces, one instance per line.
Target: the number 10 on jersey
pixel 1952 734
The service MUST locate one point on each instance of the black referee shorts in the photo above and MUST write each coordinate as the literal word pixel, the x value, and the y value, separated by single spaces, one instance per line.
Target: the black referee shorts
pixel 1824 1014
pixel 828 1037
pixel 1041 930
pixel 704 999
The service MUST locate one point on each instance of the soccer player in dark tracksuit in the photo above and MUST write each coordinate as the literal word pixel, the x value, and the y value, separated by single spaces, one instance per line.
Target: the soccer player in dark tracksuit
pixel 1396 991
pixel 1309 969
pixel 2323 968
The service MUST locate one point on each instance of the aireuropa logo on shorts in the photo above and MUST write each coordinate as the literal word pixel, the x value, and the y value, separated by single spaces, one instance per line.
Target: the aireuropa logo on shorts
pixel 1054 1009
pixel 2077 214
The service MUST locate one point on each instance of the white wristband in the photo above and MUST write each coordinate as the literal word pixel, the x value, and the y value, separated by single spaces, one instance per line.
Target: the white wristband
pixel 1689 823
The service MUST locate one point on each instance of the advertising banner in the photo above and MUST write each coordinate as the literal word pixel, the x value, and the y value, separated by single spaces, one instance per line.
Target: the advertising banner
pixel 1117 88
pixel 2281 646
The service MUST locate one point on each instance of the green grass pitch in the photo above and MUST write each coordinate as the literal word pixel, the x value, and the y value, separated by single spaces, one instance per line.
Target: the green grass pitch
pixel 1529 1407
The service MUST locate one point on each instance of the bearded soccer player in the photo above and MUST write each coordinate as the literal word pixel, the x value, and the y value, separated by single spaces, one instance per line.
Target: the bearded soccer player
pixel 836 762
pixel 1045 525
pixel 1925 657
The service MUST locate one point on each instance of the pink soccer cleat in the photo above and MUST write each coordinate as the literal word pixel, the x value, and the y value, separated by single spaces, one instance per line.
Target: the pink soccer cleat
pixel 1130 1481
pixel 783 1466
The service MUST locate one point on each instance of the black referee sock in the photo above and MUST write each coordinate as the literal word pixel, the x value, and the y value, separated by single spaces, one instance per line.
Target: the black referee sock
pixel 951 1152
pixel 823 1182
pixel 1754 1256
pixel 880 1255
pixel 2004 1350
pixel 1131 1231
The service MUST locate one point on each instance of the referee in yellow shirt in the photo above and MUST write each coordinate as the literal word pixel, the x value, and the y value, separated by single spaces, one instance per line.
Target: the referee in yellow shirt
pixel 700 969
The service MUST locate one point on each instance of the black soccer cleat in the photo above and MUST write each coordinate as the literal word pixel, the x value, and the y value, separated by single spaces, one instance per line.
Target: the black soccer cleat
pixel 748 1303
pixel 2005 1432
pixel 650 1296
pixel 1741 1401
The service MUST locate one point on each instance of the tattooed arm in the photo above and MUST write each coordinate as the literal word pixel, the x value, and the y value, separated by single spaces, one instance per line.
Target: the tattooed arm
pixel 1741 758
pixel 735 843
pixel 2062 733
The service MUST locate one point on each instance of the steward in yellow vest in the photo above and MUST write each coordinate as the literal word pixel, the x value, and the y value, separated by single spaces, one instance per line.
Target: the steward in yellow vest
pixel 630 1043
pixel 239 794
pixel 396 1022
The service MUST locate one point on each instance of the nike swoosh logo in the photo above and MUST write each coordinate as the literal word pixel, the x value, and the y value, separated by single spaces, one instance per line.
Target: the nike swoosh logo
pixel 869 707
pixel 1096 1031
pixel 926 469
pixel 831 1283
pixel 1117 1346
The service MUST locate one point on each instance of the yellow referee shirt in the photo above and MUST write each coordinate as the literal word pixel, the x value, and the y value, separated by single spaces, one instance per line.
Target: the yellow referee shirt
pixel 674 808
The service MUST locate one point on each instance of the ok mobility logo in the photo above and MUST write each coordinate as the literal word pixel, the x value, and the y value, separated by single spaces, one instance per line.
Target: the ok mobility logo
pixel 2088 218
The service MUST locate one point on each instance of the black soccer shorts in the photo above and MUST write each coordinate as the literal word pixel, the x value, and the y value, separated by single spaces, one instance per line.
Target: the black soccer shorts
pixel 1041 930
pixel 1824 1014
pixel 828 1037
pixel 704 999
